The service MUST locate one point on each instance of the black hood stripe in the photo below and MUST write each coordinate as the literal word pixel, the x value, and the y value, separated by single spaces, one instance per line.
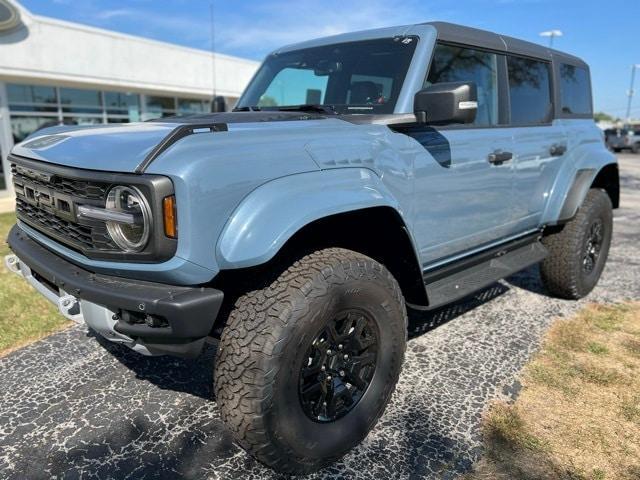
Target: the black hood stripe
pixel 175 135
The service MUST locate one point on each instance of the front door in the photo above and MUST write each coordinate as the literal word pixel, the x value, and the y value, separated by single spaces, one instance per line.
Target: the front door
pixel 464 174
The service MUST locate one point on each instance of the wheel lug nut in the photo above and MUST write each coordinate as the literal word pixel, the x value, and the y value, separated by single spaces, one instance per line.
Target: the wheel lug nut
pixel 340 347
pixel 323 368
pixel 328 377
pixel 346 357
pixel 342 373
pixel 329 352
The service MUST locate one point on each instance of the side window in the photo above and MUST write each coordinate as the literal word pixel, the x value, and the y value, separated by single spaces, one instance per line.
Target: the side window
pixel 575 93
pixel 460 64
pixel 529 91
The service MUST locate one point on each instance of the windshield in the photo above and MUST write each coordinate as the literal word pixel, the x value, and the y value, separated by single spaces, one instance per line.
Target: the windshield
pixel 355 77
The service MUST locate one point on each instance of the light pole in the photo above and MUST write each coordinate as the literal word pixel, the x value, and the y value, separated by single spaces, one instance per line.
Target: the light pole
pixel 630 93
pixel 551 34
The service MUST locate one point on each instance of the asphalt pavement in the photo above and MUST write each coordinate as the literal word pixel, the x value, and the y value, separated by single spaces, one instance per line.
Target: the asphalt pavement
pixel 74 406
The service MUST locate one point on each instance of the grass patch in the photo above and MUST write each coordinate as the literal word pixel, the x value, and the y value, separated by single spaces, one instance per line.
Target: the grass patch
pixel 578 414
pixel 597 348
pixel 633 346
pixel 592 373
pixel 25 315
pixel 630 409
pixel 506 426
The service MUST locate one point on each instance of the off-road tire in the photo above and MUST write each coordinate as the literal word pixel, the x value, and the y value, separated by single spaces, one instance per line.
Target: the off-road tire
pixel 257 369
pixel 563 271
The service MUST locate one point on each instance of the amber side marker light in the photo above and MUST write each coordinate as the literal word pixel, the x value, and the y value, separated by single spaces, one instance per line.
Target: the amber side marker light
pixel 170 216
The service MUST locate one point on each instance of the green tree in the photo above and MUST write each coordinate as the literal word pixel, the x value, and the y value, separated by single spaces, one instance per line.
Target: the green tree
pixel 603 117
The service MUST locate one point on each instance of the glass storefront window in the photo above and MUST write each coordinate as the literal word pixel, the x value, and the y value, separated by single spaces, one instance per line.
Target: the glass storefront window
pixel 76 100
pixel 189 105
pixel 31 94
pixel 125 107
pixel 32 98
pixel 118 103
pixel 164 103
pixel 121 101
pixel 160 106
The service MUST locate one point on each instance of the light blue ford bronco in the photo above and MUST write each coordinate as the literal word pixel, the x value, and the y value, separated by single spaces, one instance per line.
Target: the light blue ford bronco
pixel 358 175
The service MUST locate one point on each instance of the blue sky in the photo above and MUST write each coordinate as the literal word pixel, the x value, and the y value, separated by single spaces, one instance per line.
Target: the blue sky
pixel 604 33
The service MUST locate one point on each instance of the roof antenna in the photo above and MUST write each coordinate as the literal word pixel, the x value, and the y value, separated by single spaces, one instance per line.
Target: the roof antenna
pixel 218 104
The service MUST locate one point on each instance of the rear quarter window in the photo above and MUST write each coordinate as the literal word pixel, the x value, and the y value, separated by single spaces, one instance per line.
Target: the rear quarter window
pixel 575 90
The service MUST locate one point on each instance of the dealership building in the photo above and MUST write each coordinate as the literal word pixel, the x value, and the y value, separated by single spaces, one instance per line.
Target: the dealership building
pixel 54 72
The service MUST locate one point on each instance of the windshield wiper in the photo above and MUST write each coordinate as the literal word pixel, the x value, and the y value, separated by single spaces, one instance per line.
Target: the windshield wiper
pixel 309 107
pixel 253 108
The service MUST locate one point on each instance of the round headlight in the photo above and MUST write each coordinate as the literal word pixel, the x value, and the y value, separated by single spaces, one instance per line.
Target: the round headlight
pixel 131 233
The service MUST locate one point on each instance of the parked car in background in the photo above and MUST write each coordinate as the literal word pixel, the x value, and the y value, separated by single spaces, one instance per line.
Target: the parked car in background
pixel 359 174
pixel 619 139
pixel 634 140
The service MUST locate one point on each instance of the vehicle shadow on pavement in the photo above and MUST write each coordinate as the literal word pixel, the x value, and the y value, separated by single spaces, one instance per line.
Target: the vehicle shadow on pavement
pixel 181 459
pixel 192 376
pixel 529 280
pixel 421 322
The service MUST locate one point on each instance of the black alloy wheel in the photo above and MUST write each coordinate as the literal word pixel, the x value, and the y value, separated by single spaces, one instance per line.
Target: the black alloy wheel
pixel 339 366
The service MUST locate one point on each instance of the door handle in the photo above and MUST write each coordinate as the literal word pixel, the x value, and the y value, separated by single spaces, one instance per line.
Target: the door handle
pixel 498 157
pixel 557 150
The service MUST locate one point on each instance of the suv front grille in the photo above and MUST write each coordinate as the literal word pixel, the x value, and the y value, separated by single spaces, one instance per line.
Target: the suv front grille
pixel 74 234
pixel 47 202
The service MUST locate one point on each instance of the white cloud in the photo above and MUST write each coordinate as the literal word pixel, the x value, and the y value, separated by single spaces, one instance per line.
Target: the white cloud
pixel 117 13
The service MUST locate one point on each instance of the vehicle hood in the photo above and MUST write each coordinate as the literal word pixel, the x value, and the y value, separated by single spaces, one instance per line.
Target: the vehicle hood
pixel 129 147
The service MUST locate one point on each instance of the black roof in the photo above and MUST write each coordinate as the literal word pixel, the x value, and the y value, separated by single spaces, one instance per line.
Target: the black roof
pixel 451 32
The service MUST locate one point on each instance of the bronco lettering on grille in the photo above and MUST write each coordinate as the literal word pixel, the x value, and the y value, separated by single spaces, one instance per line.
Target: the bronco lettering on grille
pixel 48 202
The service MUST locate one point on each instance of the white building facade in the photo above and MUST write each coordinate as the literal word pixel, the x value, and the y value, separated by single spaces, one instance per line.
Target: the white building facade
pixel 54 72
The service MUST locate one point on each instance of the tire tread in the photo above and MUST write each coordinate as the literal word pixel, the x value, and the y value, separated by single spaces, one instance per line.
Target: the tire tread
pixel 255 336
pixel 560 271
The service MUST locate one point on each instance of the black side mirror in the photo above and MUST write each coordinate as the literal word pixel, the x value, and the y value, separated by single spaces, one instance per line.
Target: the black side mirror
pixel 444 103
pixel 219 104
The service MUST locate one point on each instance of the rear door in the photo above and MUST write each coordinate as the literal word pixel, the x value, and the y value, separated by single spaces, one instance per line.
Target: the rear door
pixel 463 196
pixel 540 144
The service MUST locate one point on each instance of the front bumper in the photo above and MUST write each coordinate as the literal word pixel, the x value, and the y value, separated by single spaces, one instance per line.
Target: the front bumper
pixel 151 318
